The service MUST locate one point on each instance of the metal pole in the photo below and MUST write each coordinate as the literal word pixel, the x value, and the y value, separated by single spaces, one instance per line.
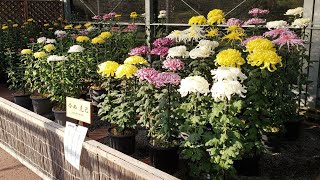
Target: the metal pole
pixel 168 14
pixel 67 9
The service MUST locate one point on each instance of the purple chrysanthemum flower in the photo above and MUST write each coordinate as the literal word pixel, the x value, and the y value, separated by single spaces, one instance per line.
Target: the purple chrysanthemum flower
pixel 277 32
pixel 234 21
pixel 161 51
pixel 256 12
pixel 173 64
pixel 148 74
pixel 163 42
pixel 138 51
pixel 167 78
pixel 255 21
pixel 244 42
pixel 289 40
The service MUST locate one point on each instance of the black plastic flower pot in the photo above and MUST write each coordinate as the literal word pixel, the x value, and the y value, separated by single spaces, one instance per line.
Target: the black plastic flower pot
pixel 95 96
pixel 248 166
pixel 41 105
pixel 271 142
pixel 293 129
pixel 23 100
pixel 61 118
pixel 165 159
pixel 123 143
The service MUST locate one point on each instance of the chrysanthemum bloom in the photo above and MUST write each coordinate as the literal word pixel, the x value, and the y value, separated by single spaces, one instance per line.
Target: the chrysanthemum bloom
pixel 130 27
pixel 228 73
pixel 162 14
pixel 244 42
pixel 215 16
pixel 234 28
pixel 135 60
pixel 178 36
pixel 178 51
pixel 88 24
pixel 109 16
pixel 57 58
pixel 215 12
pixel 127 70
pixel 91 28
pixel 224 90
pixel 258 12
pixel 233 36
pixel 108 68
pixel 197 20
pixel 78 26
pixel 277 32
pixel 40 54
pixel 173 64
pixel 212 32
pixel 49 47
pixel 82 39
pixel 289 40
pixel 30 20
pixel 133 15
pixel 26 51
pixel 167 78
pixel 265 58
pixel 50 41
pixel 96 17
pixel 255 21
pixel 301 22
pixel 194 33
pixel 105 35
pixel 207 43
pixel 75 49
pixel 193 84
pixel 234 21
pixel 138 51
pixel 74 36
pixel 200 52
pixel 160 42
pixel 69 26
pixel 60 33
pixel 160 51
pixel 295 12
pixel 15 25
pixel 259 43
pixel 97 40
pixel 230 58
pixel 117 15
pixel 148 74
pixel 41 40
pixel 276 24
pixel 5 27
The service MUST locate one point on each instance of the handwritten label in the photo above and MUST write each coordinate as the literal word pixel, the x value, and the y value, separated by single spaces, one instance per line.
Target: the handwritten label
pixel 73 139
pixel 79 109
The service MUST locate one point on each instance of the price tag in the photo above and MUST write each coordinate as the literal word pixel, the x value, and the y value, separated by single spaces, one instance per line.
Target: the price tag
pixel 79 109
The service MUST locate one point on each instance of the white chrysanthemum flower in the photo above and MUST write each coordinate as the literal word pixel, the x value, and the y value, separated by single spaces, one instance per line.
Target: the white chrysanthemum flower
pixel 162 14
pixel 75 49
pixel 91 28
pixel 178 51
pixel 295 11
pixel 178 36
pixel 60 33
pixel 210 44
pixel 57 58
pixel 51 41
pixel 228 73
pixel 223 90
pixel 195 33
pixel 41 40
pixel 193 84
pixel 276 24
pixel 301 22
pixel 200 52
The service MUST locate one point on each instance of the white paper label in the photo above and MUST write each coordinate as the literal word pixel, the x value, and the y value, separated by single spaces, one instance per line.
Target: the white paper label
pixel 73 138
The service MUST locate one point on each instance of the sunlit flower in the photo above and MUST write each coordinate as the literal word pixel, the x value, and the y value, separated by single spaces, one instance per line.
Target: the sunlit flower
pixel 259 43
pixel 40 54
pixel 230 58
pixel 244 42
pixel 173 64
pixel 234 36
pixel 289 40
pixel 41 40
pixel 197 20
pixel 127 70
pixel 167 78
pixel 193 84
pixel 4 27
pixel 194 33
pixel 234 21
pixel 133 15
pixel 215 12
pixel 276 24
pixel 207 43
pixel 69 26
pixel 212 32
pixel 141 50
pixel 26 51
pixel 148 74
pixel 224 90
pixel 215 16
pixel 105 35
pixel 49 47
pixel 82 39
pixel 178 36
pixel 295 12
pixel 162 14
pixel 265 58
pixel 228 73
pixel 301 22
pixel 178 51
pixel 108 68
pixel 75 49
pixel 258 12
pixel 135 60
pixel 97 40
pixel 255 21
pixel 200 52
pixel 15 25
pixel 160 51
pixel 160 42
pixel 57 58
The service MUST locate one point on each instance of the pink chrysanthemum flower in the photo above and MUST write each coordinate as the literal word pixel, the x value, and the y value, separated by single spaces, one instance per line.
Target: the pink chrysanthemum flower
pixel 138 51
pixel 115 28
pixel 167 78
pixel 109 16
pixel 255 21
pixel 74 36
pixel 148 74
pixel 161 51
pixel 256 12
pixel 234 21
pixel 130 27
pixel 277 32
pixel 289 40
pixel 97 17
pixel 244 42
pixel 173 64
pixel 84 32
pixel 163 42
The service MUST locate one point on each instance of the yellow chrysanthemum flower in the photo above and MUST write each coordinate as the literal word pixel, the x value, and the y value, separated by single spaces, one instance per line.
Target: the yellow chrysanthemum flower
pixel 197 20
pixel 259 43
pixel 26 51
pixel 234 35
pixel 30 20
pixel 40 54
pixel 212 32
pixel 49 47
pixel 4 27
pixel 117 15
pixel 229 58
pixel 78 26
pixel 108 68
pixel 60 19
pixel 215 12
pixel 56 24
pixel 45 25
pixel 234 28
pixel 82 38
pixel 9 20
pixel 105 35
pixel 135 60
pixel 26 23
pixel 127 70
pixel 133 15
pixel 69 26
pixel 15 25
pixel 97 40
pixel 87 24
pixel 216 19
pixel 265 58
pixel 50 29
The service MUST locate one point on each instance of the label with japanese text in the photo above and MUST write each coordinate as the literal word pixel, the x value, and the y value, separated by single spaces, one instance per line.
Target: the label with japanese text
pixel 79 109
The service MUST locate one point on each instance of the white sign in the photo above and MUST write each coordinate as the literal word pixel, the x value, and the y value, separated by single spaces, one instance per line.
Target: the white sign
pixel 79 109
pixel 73 138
